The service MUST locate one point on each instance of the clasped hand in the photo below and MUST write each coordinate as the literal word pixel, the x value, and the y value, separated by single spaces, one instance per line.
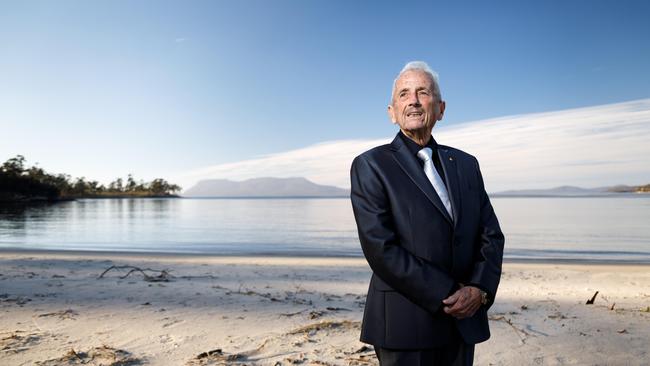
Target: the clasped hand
pixel 463 303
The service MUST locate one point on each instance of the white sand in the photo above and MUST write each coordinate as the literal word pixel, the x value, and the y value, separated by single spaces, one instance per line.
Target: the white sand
pixel 281 311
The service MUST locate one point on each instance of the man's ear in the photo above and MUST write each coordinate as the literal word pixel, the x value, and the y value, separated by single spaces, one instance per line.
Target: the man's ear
pixel 391 114
pixel 442 109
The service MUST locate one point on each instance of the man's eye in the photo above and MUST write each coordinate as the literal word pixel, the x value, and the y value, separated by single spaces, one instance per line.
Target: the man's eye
pixel 425 92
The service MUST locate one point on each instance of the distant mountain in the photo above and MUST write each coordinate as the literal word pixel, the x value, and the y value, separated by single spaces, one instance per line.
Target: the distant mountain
pixel 263 187
pixel 572 191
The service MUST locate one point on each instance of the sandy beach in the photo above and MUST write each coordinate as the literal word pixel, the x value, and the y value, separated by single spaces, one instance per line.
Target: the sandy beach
pixel 71 308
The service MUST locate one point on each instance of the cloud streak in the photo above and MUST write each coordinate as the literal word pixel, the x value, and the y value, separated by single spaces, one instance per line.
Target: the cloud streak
pixel 592 146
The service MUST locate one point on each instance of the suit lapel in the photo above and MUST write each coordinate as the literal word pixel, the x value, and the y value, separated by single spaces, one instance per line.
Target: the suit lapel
pixel 448 161
pixel 414 171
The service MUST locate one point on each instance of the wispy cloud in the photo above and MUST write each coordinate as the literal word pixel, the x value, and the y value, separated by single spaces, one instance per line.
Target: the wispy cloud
pixel 593 146
pixel 180 40
pixel 324 163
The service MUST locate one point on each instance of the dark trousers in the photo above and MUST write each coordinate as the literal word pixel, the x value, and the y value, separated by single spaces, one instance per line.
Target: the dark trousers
pixel 456 354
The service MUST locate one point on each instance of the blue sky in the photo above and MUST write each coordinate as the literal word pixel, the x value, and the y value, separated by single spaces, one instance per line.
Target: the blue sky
pixel 154 88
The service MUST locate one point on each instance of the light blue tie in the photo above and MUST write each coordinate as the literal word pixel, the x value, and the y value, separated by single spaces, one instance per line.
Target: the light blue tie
pixel 434 178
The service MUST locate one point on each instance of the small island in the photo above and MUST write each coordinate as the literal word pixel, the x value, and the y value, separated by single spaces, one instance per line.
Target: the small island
pixel 630 189
pixel 572 191
pixel 22 184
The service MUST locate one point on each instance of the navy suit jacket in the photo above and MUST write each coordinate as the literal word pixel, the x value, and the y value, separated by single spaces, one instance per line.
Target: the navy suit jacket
pixel 417 252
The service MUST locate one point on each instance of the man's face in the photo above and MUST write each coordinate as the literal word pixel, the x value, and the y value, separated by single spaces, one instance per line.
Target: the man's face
pixel 415 106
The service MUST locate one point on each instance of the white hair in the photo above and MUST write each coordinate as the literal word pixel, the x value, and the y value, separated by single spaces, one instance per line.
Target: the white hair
pixel 421 66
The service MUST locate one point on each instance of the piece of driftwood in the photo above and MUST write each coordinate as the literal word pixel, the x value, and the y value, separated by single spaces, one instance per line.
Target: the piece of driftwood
pixel 163 276
pixel 331 308
pixel 518 331
pixel 294 313
pixel 62 314
pixel 593 298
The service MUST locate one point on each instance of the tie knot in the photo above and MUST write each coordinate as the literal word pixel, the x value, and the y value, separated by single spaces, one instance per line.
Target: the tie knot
pixel 425 154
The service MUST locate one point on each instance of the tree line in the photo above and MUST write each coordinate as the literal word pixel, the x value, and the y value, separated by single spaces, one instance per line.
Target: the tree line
pixel 18 182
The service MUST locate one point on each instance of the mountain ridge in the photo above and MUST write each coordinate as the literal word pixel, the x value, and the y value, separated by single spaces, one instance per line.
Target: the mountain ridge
pixel 264 187
pixel 303 187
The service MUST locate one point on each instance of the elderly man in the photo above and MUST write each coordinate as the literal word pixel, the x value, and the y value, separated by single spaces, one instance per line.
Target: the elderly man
pixel 429 233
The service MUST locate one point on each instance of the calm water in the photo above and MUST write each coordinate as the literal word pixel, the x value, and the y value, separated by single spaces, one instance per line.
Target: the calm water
pixel 602 228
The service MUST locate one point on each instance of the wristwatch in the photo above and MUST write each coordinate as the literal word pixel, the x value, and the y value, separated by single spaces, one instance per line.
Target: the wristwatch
pixel 484 297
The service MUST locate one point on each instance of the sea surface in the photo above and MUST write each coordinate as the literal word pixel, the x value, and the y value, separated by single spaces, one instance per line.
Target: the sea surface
pixel 577 229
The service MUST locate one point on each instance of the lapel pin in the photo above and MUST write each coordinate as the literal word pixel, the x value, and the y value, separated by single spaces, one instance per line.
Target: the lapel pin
pixel 451 158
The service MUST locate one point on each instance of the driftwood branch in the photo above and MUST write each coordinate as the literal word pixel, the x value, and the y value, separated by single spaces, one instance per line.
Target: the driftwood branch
pixel 293 314
pixel 518 331
pixel 163 276
pixel 593 298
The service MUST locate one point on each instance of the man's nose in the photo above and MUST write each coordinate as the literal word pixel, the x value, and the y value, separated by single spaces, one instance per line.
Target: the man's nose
pixel 414 100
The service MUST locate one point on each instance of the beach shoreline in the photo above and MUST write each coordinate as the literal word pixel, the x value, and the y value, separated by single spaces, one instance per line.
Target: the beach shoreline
pixel 281 310
pixel 199 256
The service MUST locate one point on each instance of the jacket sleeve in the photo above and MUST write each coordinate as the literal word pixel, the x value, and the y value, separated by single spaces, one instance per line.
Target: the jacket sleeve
pixel 418 280
pixel 488 254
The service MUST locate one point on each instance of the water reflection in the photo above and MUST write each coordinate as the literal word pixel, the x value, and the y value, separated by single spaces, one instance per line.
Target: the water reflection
pixel 534 227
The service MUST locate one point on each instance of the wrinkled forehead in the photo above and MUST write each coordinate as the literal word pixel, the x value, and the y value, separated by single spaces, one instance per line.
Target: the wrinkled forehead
pixel 413 78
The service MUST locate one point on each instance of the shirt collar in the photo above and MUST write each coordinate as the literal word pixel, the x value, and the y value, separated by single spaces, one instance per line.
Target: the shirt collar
pixel 414 147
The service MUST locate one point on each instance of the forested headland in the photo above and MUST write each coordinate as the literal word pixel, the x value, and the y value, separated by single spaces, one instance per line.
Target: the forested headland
pixel 20 183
